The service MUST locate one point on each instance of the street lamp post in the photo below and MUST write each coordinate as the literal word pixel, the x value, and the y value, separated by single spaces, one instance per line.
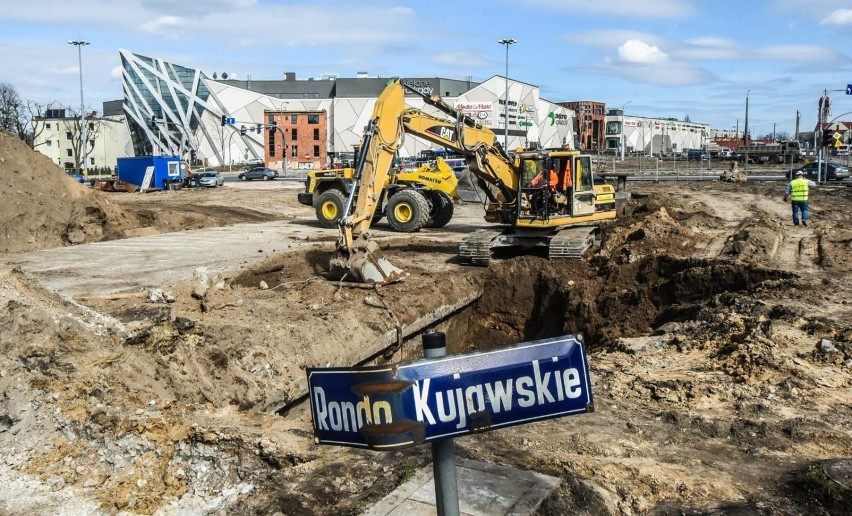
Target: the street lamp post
pixel 79 43
pixel 623 139
pixel 506 42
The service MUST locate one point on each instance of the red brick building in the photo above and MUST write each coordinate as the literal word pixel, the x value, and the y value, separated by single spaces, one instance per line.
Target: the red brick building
pixel 590 120
pixel 304 139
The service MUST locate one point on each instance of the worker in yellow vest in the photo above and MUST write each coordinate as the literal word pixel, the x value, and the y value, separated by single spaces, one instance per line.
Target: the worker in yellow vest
pixel 797 192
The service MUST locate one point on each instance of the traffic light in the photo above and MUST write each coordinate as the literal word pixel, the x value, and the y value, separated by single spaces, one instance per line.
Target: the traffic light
pixel 242 130
pixel 224 120
pixel 828 138
pixel 192 155
pixel 258 128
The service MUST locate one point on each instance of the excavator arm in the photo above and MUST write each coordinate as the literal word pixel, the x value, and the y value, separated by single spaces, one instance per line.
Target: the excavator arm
pixel 360 259
pixel 476 143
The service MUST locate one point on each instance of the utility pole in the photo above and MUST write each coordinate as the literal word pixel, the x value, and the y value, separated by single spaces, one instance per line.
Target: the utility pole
pixel 506 42
pixel 623 139
pixel 79 43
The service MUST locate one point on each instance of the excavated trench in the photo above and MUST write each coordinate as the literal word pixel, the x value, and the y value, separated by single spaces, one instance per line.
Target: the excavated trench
pixel 531 298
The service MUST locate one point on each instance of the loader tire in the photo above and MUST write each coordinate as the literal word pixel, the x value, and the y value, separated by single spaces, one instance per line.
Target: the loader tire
pixel 330 207
pixel 440 209
pixel 407 211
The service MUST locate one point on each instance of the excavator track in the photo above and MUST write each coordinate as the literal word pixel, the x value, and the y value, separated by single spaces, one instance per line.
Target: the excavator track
pixel 566 244
pixel 476 247
pixel 571 243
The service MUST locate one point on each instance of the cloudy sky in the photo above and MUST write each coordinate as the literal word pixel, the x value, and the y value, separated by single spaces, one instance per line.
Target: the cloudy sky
pixel 662 57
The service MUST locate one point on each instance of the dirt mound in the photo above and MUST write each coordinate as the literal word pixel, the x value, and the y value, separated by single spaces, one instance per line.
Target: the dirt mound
pixel 42 207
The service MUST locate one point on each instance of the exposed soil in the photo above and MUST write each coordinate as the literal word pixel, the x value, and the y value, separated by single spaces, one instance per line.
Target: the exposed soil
pixel 719 337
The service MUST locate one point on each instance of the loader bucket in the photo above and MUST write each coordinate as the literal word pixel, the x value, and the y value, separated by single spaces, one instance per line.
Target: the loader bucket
pixel 365 263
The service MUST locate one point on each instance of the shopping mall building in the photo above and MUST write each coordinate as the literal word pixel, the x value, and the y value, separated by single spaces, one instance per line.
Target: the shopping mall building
pixel 173 109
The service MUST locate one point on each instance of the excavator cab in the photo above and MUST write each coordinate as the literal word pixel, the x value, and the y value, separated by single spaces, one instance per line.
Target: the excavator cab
pixel 538 187
pixel 556 184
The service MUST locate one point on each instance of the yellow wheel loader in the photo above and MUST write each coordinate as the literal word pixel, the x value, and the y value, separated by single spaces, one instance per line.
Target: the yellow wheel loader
pixel 436 182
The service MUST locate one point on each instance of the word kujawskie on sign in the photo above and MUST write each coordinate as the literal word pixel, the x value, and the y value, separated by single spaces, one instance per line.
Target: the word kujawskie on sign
pixel 402 405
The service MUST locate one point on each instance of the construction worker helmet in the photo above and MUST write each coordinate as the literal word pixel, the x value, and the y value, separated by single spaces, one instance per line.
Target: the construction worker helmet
pixel 800 173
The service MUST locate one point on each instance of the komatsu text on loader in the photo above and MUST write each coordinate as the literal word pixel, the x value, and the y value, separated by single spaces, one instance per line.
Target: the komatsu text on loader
pixel 537 199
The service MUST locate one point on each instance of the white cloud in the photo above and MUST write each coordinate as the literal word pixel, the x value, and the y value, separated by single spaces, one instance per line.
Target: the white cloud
pixel 164 25
pixel 636 51
pixel 607 39
pixel 197 7
pixel 838 17
pixel 671 74
pixel 802 53
pixel 626 8
pixel 462 59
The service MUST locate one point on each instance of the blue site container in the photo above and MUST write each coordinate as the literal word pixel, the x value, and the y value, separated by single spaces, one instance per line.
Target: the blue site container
pixel 165 170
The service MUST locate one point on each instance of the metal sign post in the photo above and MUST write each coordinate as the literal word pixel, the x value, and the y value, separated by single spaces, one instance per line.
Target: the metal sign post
pixel 444 451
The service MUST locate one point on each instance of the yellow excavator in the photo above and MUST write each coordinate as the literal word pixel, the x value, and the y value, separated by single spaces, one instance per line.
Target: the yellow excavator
pixel 539 198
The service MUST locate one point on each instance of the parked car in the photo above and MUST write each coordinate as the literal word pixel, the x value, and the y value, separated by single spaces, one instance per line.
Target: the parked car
pixel 258 173
pixel 76 176
pixel 211 179
pixel 697 154
pixel 726 153
pixel 831 171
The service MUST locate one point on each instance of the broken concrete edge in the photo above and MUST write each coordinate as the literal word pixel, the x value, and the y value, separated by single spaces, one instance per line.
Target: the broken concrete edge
pixel 96 322
pixel 389 338
pixel 383 342
pixel 529 503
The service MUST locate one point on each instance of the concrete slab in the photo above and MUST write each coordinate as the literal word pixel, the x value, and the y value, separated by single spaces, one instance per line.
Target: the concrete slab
pixel 155 261
pixel 484 490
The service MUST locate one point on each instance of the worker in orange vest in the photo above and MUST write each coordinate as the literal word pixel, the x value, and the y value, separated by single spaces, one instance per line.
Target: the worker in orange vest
pixel 551 183
pixel 568 177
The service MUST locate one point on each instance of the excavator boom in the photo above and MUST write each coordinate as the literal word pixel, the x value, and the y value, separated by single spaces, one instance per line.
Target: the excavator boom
pixel 360 259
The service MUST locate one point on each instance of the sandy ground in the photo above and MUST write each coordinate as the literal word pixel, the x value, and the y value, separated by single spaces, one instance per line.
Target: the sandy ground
pixel 718 333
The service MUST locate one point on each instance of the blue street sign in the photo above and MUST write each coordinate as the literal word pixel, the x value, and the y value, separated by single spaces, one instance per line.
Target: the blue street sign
pixel 230 121
pixel 407 404
pixel 849 89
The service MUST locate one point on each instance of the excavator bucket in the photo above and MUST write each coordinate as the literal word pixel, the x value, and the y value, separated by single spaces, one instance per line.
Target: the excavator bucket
pixel 364 262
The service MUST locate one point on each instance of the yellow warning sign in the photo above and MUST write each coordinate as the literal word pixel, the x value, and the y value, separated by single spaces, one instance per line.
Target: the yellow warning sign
pixel 838 143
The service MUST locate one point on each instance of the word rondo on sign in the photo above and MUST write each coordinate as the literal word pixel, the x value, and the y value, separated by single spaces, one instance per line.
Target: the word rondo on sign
pixel 407 404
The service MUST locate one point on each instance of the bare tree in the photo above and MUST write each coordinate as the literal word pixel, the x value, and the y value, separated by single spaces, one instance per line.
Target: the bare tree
pixel 220 133
pixel 74 126
pixel 10 109
pixel 31 112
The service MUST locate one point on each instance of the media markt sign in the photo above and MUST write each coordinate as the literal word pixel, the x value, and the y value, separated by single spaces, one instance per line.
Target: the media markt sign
pixel 407 404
